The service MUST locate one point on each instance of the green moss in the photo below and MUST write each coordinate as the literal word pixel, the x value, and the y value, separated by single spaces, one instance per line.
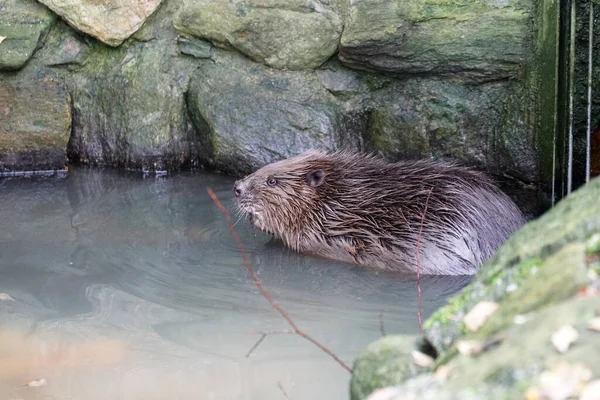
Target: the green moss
pixel 385 362
pixel 557 279
pixel 448 312
pixel 593 244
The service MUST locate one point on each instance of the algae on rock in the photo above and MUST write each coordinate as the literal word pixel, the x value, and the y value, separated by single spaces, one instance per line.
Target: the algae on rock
pixel 23 26
pixel 463 39
pixel 383 363
pixel 280 33
pixel 110 22
pixel 255 115
pixel 35 123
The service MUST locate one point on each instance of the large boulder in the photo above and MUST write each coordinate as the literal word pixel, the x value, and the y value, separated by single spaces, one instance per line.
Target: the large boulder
pixel 35 124
pixel 384 363
pixel 521 349
pixel 294 34
pixel 249 115
pixel 485 40
pixel 133 116
pixel 23 26
pixel 109 21
pixel 431 118
pixel 129 108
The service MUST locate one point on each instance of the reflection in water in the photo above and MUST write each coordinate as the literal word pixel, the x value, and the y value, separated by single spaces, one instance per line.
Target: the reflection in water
pixel 131 287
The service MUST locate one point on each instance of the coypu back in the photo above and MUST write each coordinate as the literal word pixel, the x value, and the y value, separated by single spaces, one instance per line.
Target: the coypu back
pixel 361 209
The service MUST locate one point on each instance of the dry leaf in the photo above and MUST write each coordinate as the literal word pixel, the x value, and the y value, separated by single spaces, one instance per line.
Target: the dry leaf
pixel 469 347
pixel 383 393
pixel 422 359
pixel 476 347
pixel 479 314
pixel 564 337
pixel 37 382
pixel 442 373
pixel 564 381
pixel 587 291
pixel 591 391
pixel 594 324
pixel 533 393
pixel 2 38
pixel 5 296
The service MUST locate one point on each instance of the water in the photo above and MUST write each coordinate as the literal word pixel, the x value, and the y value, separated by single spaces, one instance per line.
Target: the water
pixel 131 287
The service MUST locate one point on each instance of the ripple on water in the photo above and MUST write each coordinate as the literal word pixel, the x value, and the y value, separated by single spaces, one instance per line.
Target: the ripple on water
pixel 150 262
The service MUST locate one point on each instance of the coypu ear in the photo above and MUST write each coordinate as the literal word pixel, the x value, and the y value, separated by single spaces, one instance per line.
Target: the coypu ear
pixel 316 177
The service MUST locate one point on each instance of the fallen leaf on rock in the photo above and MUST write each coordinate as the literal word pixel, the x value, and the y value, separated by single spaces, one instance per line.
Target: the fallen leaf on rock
pixel 6 297
pixel 564 337
pixel 479 314
pixel 476 347
pixel 594 324
pixel 442 373
pixel 564 381
pixel 469 347
pixel 533 393
pixel 587 291
pixel 37 382
pixel 383 394
pixel 2 38
pixel 591 391
pixel 422 359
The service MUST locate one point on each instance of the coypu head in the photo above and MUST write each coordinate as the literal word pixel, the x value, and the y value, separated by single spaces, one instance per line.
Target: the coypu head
pixel 280 198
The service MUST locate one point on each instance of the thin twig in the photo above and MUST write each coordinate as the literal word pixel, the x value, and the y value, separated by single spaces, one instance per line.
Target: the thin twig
pixel 381 326
pixel 262 290
pixel 419 261
pixel 273 332
pixel 282 389
pixel 259 341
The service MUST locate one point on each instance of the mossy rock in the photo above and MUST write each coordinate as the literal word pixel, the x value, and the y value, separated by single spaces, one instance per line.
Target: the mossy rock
pixel 23 27
pixel 384 362
pixel 574 219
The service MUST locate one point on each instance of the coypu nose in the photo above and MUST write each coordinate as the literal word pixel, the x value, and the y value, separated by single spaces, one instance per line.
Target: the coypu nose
pixel 236 189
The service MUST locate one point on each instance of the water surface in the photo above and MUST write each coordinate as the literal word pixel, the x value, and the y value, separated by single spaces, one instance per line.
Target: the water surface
pixel 130 286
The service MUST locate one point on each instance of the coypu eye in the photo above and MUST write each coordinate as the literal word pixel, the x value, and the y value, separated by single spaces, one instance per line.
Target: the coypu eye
pixel 271 181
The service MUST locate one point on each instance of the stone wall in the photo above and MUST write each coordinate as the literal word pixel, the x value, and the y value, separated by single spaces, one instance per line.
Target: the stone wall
pixel 233 85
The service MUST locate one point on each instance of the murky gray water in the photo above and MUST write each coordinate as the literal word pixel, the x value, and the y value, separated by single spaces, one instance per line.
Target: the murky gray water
pixel 131 287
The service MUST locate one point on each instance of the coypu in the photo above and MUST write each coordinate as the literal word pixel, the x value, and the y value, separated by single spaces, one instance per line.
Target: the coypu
pixel 363 210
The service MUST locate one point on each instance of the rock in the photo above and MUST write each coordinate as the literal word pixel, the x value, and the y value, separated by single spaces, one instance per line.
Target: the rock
pixel 249 115
pixel 132 116
pixel 194 47
pixel 129 107
pixel 23 25
pixel 536 250
pixel 109 21
pixel 287 34
pixel 518 364
pixel 432 118
pixel 384 362
pixel 64 48
pixel 35 123
pixel 473 41
pixel 341 81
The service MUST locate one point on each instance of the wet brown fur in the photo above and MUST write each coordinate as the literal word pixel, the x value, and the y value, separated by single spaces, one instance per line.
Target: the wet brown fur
pixel 360 209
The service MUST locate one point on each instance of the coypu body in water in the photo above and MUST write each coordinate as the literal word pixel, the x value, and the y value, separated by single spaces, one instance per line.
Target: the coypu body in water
pixel 361 209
